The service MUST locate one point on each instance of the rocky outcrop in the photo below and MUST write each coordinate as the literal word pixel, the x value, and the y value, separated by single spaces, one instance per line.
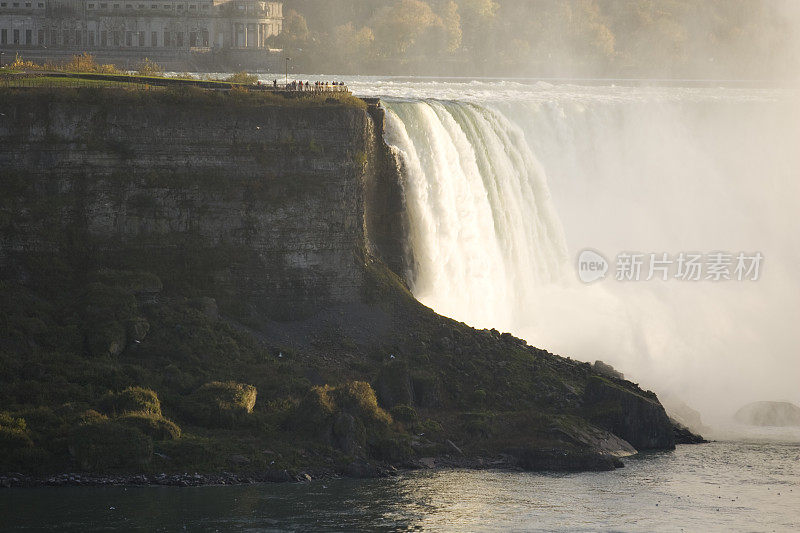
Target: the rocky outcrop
pixel 635 416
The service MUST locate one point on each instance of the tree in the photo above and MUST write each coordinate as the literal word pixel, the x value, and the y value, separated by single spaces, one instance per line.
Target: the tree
pixel 452 24
pixel 398 28
pixel 295 28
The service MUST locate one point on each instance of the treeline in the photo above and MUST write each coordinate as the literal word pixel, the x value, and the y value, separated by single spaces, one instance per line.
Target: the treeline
pixel 664 38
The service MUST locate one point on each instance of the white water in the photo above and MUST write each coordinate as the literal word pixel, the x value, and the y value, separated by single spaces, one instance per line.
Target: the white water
pixel 506 183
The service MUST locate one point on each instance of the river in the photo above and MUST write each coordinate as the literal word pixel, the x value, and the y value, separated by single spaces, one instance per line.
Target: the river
pixel 721 486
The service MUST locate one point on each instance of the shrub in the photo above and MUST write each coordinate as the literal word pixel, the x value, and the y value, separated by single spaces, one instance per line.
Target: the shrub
pixel 41 419
pixel 13 434
pixel 109 445
pixel 390 446
pixel 106 339
pixel 404 413
pixel 242 77
pixel 221 404
pixel 314 414
pixel 103 303
pixel 9 422
pixel 131 400
pixel 90 416
pixel 155 426
pixel 188 452
pixel 85 63
pixel 358 398
pixel 340 411
pixel 149 68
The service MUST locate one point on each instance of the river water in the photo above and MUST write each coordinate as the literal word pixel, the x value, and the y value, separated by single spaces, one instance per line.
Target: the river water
pixel 721 486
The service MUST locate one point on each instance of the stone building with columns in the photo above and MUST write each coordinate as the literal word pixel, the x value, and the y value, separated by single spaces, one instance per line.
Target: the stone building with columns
pixel 129 28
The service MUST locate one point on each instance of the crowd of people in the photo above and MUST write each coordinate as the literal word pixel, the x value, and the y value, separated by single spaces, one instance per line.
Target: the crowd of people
pixel 317 86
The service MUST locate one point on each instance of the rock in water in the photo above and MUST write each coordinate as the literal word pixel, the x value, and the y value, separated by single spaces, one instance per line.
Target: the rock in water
pixel 779 414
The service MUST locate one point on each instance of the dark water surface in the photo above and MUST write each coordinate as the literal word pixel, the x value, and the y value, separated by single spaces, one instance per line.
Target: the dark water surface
pixel 714 487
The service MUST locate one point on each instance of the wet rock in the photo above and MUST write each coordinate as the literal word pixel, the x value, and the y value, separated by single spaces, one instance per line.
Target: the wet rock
pixel 238 460
pixel 361 470
pixel 559 460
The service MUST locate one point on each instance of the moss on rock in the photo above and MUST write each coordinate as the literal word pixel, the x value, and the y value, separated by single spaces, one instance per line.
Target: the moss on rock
pixel 131 400
pixel 155 426
pixel 221 404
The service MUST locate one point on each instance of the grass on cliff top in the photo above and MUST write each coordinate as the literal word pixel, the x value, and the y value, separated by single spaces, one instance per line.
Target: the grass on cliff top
pixel 148 70
pixel 53 89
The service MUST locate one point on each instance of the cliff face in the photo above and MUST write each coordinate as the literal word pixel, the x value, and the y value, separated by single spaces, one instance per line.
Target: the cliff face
pixel 189 279
pixel 262 201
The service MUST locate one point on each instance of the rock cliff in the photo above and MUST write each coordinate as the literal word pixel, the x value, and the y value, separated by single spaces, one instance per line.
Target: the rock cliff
pixel 238 263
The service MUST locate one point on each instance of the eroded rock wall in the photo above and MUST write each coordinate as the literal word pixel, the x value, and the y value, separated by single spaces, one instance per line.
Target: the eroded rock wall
pixel 263 201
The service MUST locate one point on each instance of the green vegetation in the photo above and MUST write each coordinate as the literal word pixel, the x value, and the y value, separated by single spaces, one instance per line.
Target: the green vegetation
pixel 131 400
pixel 78 63
pixel 219 404
pixel 243 77
pixel 72 90
pixel 109 445
pixel 148 67
pixel 154 426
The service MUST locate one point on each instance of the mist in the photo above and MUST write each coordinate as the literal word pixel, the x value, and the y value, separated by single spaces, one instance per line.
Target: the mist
pixel 506 187
pixel 683 39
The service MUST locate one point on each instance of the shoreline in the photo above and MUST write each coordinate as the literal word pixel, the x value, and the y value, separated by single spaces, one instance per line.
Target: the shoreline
pixel 359 469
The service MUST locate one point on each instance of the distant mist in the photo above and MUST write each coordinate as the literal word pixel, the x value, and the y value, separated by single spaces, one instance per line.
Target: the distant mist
pixel 698 39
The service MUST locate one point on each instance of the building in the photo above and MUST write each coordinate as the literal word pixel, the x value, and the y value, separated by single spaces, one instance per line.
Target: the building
pixel 157 29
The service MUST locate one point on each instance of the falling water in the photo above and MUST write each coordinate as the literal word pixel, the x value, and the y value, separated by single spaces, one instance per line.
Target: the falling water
pixel 506 183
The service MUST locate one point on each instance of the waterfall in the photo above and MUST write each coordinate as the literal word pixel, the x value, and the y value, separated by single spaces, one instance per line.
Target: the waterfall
pixel 485 234
pixel 505 185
